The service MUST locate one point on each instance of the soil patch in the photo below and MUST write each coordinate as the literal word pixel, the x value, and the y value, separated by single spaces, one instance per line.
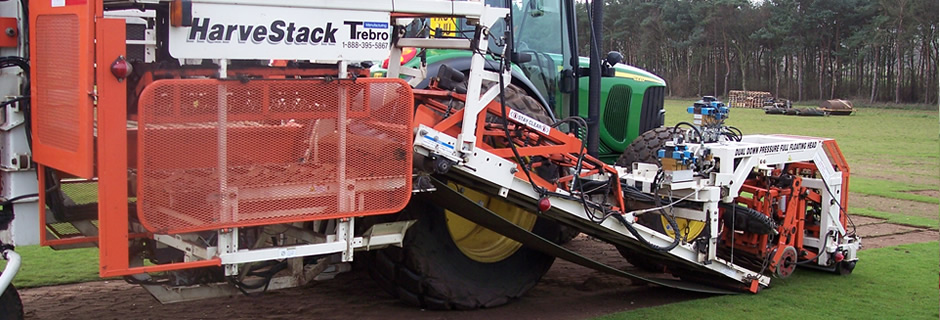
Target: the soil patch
pixel 864 221
pixel 567 291
pixel 914 175
pixel 882 229
pixel 876 233
pixel 922 235
pixel 929 193
pixel 906 207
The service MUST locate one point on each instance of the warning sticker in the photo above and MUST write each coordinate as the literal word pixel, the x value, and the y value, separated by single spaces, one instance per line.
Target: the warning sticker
pixel 529 122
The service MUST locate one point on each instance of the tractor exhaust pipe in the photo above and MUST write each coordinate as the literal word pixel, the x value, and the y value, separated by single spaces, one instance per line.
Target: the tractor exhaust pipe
pixel 594 82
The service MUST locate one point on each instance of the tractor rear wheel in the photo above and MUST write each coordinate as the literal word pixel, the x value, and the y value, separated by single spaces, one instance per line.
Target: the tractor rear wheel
pixel 432 271
pixel 11 307
pixel 449 263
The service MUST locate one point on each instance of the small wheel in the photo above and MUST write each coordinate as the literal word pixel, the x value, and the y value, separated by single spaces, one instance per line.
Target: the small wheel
pixel 11 307
pixel 845 268
pixel 787 263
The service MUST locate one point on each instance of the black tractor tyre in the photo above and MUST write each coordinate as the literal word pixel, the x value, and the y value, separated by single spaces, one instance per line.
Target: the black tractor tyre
pixel 11 307
pixel 519 100
pixel 430 272
pixel 644 149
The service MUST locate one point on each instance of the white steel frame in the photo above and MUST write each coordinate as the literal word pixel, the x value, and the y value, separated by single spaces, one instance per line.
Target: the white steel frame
pixel 731 178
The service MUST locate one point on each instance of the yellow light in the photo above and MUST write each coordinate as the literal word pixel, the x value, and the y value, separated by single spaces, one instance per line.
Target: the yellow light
pixel 176 13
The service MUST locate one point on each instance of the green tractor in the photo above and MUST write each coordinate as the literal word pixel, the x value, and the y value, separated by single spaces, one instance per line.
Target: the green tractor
pixel 466 266
pixel 547 66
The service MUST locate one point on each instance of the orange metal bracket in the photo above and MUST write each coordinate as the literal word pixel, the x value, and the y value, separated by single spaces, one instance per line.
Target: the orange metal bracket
pixel 112 151
pixel 560 148
pixel 10 33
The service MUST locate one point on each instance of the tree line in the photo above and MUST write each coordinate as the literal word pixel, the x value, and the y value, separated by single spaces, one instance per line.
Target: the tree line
pixel 876 50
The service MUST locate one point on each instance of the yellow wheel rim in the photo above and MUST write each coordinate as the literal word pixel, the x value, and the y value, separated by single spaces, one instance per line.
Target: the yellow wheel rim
pixel 688 229
pixel 481 244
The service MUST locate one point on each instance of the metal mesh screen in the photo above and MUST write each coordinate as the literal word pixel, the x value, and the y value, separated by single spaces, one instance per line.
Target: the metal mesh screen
pixel 289 150
pixel 56 64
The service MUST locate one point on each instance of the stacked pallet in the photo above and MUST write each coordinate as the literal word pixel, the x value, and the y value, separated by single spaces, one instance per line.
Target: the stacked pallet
pixel 748 99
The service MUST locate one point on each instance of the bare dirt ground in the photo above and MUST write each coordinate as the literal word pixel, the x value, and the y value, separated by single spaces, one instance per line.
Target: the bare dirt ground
pixel 929 193
pixel 567 291
pixel 907 207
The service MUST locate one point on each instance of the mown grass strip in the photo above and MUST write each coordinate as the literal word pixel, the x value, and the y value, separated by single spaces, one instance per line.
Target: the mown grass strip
pixel 890 189
pixel 43 266
pixel 888 283
pixel 897 218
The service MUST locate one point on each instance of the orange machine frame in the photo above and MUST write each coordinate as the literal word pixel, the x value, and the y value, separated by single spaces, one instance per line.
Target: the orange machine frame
pixel 560 148
pixel 102 104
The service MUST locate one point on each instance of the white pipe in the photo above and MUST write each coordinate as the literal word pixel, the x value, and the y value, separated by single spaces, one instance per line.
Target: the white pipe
pixel 13 265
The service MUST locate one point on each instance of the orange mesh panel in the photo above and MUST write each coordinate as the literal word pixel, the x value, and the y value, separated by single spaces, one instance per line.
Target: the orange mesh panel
pixel 281 153
pixel 57 69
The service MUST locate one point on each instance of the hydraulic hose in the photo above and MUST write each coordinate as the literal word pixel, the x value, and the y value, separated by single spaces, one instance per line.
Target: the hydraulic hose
pixel 698 133
pixel 672 223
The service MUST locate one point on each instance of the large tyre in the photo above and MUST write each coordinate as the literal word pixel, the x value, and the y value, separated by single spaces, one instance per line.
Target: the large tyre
pixel 11 307
pixel 447 263
pixel 644 150
pixel 431 272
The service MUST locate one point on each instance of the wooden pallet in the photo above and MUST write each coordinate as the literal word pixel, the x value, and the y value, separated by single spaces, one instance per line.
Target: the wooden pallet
pixel 747 99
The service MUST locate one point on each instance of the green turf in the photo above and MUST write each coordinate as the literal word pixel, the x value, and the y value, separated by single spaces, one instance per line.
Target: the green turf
pixel 888 283
pixel 897 218
pixel 890 189
pixel 43 266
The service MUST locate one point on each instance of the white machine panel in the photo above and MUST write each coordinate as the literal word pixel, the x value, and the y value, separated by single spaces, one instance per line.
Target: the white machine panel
pixel 253 32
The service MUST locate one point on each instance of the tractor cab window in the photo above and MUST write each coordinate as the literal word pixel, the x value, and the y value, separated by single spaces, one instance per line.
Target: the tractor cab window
pixel 539 31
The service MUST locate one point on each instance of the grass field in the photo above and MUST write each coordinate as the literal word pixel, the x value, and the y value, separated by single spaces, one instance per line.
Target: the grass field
pixel 880 288
pixel 43 266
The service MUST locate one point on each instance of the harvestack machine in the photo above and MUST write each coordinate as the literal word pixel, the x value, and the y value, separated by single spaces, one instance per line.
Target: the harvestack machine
pixel 212 147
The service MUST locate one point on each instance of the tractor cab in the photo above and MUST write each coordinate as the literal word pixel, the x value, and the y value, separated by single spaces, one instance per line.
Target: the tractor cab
pixel 548 66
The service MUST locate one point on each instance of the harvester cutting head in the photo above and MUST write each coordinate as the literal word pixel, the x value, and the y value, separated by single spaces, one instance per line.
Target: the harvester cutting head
pixel 779 201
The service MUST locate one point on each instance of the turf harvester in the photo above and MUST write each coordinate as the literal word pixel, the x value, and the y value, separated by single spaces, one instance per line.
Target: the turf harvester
pixel 213 147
